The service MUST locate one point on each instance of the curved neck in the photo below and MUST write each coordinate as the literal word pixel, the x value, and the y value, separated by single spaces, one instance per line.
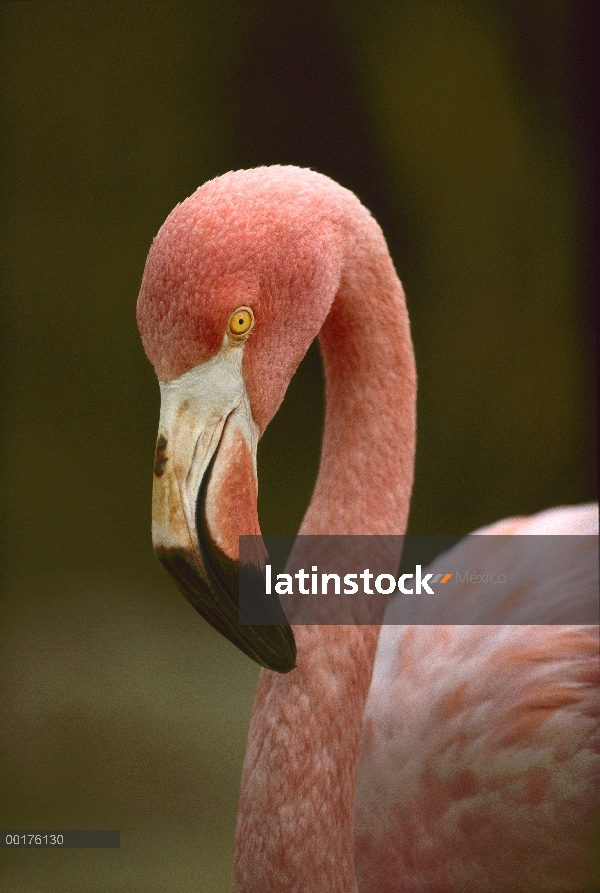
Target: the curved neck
pixel 368 451
pixel 295 817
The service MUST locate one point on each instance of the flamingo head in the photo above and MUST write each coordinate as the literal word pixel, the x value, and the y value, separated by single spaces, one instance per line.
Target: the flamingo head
pixel 237 284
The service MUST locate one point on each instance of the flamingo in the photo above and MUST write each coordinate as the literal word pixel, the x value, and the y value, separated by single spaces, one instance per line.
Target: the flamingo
pixel 422 758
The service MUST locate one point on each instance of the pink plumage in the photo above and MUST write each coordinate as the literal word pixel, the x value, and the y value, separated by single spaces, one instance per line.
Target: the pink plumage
pixel 442 758
pixel 483 744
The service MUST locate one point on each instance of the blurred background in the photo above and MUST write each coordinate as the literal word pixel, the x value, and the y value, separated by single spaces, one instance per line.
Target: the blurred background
pixel 466 128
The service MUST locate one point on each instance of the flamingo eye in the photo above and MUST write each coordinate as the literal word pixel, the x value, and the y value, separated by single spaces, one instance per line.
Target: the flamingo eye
pixel 241 322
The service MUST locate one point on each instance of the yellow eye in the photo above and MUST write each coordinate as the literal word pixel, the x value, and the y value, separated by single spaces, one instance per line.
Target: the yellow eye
pixel 241 322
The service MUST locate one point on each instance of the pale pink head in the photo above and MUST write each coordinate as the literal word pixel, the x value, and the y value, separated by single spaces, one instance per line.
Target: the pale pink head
pixel 271 238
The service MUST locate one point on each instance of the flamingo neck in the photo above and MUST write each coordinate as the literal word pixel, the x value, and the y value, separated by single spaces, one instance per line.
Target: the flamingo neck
pixel 367 458
pixel 296 811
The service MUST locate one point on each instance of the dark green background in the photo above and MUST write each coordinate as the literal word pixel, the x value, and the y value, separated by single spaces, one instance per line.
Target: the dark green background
pixel 464 128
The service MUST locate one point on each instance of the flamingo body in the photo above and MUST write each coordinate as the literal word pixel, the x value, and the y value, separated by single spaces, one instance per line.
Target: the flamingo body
pixel 444 757
pixel 480 758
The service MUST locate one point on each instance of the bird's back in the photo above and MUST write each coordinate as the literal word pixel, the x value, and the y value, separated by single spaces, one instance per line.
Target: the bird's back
pixel 480 763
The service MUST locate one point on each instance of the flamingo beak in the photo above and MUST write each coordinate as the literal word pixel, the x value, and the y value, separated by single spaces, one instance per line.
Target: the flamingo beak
pixel 204 498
